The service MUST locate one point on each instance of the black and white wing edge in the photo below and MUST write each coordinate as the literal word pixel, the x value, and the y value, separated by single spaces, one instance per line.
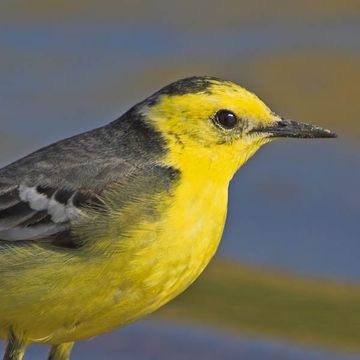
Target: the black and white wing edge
pixel 39 212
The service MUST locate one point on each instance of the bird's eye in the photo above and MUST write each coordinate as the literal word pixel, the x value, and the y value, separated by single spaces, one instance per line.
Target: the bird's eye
pixel 226 119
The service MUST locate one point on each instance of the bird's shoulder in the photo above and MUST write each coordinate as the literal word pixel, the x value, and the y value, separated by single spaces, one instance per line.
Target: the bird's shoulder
pixel 42 194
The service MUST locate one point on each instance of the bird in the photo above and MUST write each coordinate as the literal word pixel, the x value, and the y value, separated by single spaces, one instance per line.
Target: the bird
pixel 102 228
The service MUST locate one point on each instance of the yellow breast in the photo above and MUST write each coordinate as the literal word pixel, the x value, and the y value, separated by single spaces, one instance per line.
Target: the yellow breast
pixel 167 256
pixel 188 238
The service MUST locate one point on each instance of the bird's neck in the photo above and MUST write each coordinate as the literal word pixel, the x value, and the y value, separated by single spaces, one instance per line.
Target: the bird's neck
pixel 201 166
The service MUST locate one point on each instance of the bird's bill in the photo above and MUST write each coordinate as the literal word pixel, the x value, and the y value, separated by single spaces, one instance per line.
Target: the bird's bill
pixel 294 129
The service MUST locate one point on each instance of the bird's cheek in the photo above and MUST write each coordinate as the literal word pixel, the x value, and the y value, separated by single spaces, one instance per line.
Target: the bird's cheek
pixel 246 149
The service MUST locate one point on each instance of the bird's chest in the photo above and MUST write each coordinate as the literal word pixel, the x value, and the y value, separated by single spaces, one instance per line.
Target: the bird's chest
pixel 191 234
pixel 172 252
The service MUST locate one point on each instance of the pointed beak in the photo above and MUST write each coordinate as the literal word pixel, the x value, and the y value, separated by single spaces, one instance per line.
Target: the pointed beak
pixel 294 129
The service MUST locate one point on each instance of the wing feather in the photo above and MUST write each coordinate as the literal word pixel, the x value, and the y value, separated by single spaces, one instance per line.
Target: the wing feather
pixel 44 193
pixel 36 212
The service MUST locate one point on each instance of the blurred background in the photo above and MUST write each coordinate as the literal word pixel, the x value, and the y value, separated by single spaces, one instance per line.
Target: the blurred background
pixel 286 280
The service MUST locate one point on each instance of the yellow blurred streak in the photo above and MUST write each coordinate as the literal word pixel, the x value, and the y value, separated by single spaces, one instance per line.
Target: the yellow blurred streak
pixel 249 300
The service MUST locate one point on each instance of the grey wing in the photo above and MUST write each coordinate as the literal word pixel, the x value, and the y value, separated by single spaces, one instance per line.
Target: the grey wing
pixel 43 193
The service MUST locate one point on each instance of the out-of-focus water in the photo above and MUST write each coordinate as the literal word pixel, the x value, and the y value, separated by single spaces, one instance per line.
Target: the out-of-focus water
pixel 296 206
pixel 154 341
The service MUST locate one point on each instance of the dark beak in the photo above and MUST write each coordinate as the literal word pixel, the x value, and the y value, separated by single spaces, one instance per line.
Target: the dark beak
pixel 294 129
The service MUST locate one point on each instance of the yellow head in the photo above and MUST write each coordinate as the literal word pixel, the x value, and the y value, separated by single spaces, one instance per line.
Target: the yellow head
pixel 213 126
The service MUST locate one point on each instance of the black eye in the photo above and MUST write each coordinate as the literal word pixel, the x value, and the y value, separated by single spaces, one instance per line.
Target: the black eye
pixel 226 119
